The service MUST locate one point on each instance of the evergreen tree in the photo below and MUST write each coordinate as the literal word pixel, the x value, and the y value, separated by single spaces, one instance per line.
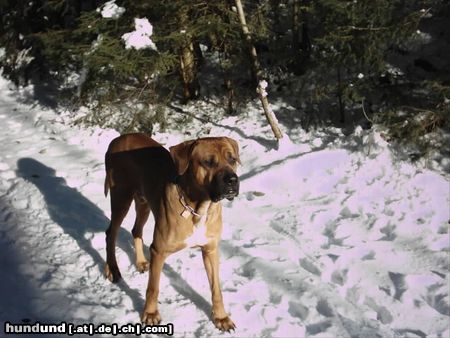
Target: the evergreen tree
pixel 339 47
pixel 352 40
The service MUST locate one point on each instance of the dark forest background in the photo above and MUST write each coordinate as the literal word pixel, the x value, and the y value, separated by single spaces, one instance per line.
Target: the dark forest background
pixel 338 62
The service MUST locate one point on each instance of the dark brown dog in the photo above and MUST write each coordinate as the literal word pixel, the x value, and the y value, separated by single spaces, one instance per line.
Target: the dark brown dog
pixel 182 189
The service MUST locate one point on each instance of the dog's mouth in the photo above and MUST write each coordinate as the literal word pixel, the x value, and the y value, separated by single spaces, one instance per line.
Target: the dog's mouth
pixel 231 194
pixel 224 185
pixel 228 194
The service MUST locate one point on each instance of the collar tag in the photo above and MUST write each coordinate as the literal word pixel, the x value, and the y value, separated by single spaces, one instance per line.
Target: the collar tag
pixel 186 213
pixel 188 210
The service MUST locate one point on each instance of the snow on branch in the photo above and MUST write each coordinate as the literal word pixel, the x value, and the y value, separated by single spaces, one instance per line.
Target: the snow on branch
pixel 140 38
pixel 111 11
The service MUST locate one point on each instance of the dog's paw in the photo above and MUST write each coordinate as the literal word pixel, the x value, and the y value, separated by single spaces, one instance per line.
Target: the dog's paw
pixel 142 266
pixel 224 324
pixel 113 274
pixel 153 318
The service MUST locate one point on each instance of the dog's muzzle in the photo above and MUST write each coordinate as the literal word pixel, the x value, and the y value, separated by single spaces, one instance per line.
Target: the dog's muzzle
pixel 225 185
pixel 232 186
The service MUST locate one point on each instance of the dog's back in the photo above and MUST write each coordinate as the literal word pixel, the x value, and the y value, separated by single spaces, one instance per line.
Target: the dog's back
pixel 128 154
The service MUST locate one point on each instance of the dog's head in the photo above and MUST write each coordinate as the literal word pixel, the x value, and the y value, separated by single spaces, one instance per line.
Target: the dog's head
pixel 211 162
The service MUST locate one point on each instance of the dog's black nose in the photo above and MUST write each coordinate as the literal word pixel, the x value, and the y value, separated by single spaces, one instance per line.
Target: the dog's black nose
pixel 230 179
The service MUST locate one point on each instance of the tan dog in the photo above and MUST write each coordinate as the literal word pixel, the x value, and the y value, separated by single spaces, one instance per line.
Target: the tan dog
pixel 182 189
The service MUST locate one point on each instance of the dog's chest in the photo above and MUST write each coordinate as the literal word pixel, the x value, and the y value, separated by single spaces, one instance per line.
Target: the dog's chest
pixel 198 236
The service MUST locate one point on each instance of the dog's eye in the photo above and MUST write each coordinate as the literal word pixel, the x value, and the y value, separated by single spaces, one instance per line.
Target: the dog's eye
pixel 209 162
pixel 232 160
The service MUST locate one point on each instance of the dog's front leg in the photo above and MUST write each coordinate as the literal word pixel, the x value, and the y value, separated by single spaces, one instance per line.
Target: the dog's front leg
pixel 151 315
pixel 211 260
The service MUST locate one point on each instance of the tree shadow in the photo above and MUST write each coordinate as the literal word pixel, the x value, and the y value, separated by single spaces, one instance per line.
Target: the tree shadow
pixel 326 141
pixel 267 143
pixel 184 289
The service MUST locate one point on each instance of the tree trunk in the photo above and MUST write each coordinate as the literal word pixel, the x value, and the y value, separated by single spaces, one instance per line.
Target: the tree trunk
pixel 189 72
pixel 188 64
pixel 301 44
pixel 230 94
pixel 262 84
pixel 296 27
pixel 306 41
pixel 339 94
pixel 198 54
pixel 275 9
pixel 227 79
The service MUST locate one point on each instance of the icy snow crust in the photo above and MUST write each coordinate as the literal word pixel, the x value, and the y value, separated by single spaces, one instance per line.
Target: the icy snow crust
pixel 325 240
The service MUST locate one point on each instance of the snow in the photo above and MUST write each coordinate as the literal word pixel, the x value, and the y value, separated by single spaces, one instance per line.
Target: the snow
pixel 326 239
pixel 111 11
pixel 262 86
pixel 141 37
pixel 24 58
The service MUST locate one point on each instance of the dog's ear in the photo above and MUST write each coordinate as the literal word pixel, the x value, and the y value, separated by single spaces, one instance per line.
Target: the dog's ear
pixel 235 146
pixel 181 154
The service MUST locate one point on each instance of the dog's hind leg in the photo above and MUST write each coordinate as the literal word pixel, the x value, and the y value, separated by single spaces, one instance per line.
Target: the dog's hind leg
pixel 142 213
pixel 120 204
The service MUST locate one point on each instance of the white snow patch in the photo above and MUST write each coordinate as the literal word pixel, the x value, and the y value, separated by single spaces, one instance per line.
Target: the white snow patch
pixel 261 89
pixel 112 11
pixel 141 37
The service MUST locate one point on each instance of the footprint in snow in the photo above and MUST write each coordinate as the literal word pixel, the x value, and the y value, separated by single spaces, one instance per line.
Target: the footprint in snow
pixel 346 213
pixel 309 266
pixel 398 279
pixel 383 314
pixel 330 232
pixel 248 270
pixel 339 276
pixel 370 255
pixel 411 333
pixel 389 233
pixel 437 298
pixel 298 310
pixel 254 242
pixel 250 195
pixel 275 297
pixel 324 308
pixel 319 327
pixel 356 329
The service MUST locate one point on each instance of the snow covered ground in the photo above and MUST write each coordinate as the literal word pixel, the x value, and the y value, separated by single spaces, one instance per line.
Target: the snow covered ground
pixel 330 236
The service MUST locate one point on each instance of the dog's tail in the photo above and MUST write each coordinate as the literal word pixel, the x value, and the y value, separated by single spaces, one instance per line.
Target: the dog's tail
pixel 106 187
pixel 108 178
